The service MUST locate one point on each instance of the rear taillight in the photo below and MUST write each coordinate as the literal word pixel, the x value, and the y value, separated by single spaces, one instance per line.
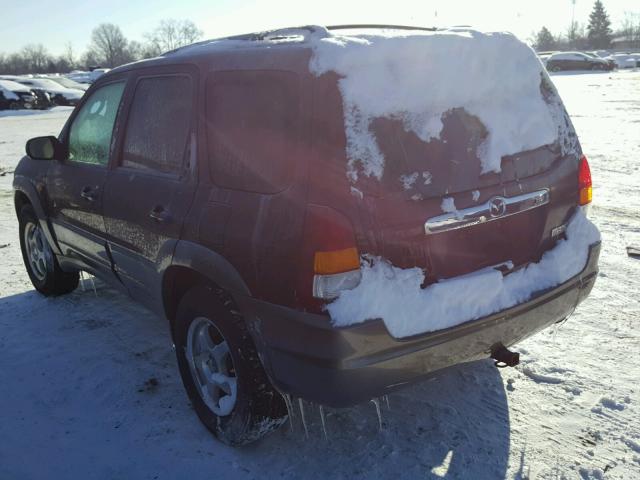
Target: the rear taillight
pixel 331 262
pixel 584 182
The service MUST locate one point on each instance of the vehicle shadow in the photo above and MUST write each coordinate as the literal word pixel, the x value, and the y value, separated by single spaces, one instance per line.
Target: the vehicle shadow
pixel 117 385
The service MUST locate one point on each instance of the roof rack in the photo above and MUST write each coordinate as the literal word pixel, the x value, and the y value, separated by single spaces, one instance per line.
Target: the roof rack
pixel 306 31
pixel 279 33
pixel 381 26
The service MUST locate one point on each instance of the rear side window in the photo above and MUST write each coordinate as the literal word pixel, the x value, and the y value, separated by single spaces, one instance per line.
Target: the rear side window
pixel 252 129
pixel 91 130
pixel 159 122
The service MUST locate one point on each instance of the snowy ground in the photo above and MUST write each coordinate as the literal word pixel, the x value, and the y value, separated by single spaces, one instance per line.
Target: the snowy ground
pixel 89 387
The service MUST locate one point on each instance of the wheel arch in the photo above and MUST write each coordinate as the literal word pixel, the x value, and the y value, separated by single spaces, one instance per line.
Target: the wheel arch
pixel 25 193
pixel 192 265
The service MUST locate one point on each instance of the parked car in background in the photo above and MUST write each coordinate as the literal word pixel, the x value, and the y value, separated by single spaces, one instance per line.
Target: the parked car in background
pixel 14 96
pixel 233 216
pixel 80 76
pixel 59 95
pixel 67 82
pixel 575 61
pixel 544 57
pixel 87 77
pixel 624 60
pixel 607 58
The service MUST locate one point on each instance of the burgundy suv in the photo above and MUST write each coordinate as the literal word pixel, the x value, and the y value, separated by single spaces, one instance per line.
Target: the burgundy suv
pixel 210 184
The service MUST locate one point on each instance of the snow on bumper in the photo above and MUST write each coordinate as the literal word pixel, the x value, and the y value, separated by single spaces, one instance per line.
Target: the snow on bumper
pixel 395 296
pixel 307 357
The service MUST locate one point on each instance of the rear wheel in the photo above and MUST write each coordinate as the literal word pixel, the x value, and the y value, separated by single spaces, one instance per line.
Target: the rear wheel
pixel 41 264
pixel 221 370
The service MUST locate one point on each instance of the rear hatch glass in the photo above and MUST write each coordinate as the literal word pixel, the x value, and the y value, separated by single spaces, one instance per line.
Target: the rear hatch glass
pixel 494 137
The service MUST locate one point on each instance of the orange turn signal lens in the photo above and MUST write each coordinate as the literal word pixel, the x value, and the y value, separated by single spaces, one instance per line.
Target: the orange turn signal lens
pixel 586 195
pixel 336 261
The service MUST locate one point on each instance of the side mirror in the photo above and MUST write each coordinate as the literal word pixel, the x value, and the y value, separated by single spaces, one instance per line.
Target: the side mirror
pixel 44 148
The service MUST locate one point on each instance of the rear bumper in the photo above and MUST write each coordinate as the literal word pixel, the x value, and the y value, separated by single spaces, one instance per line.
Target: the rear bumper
pixel 306 357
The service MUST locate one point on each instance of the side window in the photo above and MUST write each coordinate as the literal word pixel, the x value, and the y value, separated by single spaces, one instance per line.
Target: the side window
pixel 159 124
pixel 252 129
pixel 91 130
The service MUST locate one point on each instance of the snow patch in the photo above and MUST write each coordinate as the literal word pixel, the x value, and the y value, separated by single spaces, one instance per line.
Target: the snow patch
pixel 408 181
pixel 395 295
pixel 415 78
pixel 448 205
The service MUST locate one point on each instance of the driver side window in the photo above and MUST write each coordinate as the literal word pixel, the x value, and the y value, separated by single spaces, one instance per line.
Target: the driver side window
pixel 91 131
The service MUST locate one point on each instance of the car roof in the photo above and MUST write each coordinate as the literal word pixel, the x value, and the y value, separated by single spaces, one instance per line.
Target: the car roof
pixel 271 43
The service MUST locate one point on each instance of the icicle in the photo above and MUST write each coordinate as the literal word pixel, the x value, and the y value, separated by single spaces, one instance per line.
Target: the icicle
pixel 386 399
pixel 82 280
pixel 289 404
pixel 93 284
pixel 304 418
pixel 324 425
pixel 376 402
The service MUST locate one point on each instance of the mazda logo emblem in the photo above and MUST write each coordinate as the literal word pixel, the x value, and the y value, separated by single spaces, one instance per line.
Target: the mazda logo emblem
pixel 497 206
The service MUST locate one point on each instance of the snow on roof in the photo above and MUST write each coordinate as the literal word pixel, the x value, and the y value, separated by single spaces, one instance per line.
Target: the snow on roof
pixel 12 86
pixel 417 76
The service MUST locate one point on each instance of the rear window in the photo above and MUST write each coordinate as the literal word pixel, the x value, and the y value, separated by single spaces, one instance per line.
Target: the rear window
pixel 252 129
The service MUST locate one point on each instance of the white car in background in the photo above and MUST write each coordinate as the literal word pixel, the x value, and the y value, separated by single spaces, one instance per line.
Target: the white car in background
pixel 59 95
pixel 624 60
pixel 87 77
pixel 67 82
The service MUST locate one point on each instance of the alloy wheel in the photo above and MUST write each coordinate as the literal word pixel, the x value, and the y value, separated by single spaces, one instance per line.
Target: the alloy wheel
pixel 211 366
pixel 39 254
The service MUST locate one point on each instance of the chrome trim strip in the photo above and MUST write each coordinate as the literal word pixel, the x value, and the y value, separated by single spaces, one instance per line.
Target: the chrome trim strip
pixel 494 209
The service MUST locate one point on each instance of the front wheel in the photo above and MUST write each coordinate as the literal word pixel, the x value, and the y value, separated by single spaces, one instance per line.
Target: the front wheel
pixel 221 370
pixel 44 272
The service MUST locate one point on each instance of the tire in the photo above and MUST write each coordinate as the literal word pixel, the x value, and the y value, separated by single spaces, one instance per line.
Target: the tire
pixel 206 321
pixel 42 266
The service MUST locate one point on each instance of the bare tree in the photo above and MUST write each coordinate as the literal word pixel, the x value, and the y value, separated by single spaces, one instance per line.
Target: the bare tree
pixel 109 45
pixel 36 58
pixel 172 34
pixel 68 55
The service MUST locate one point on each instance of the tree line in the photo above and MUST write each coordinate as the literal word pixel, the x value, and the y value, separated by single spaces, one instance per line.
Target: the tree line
pixel 109 48
pixel 596 35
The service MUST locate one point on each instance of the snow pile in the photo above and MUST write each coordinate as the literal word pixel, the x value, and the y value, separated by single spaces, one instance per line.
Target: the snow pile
pixel 417 77
pixel 394 294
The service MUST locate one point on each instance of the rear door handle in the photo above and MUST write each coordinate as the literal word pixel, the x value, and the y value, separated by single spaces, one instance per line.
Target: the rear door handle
pixel 88 194
pixel 159 214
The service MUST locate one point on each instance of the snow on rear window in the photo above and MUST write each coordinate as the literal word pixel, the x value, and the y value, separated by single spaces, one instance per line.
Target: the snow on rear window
pixel 418 77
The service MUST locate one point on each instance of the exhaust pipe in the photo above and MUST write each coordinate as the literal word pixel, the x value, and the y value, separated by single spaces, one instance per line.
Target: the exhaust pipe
pixel 504 357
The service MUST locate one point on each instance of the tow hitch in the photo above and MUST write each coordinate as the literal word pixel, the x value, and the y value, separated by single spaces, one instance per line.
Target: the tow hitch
pixel 504 357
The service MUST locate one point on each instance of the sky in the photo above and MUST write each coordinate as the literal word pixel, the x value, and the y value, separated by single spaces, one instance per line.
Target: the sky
pixel 58 23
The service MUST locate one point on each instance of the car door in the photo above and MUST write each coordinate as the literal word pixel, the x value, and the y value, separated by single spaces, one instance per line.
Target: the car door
pixel 151 185
pixel 583 62
pixel 75 184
